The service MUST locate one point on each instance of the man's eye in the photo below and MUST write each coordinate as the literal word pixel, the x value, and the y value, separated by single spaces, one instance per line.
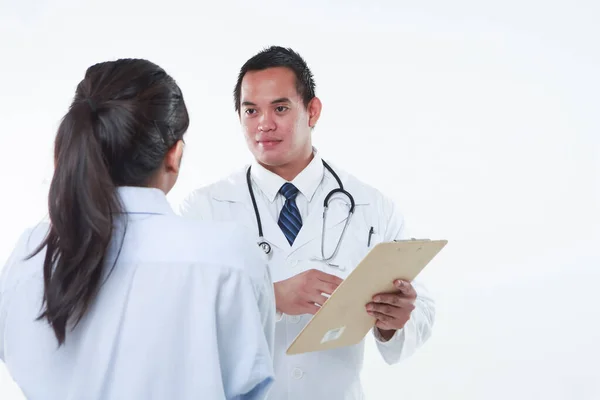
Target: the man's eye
pixel 281 108
pixel 250 111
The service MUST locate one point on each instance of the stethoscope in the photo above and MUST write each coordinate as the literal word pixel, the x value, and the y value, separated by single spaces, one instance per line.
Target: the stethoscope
pixel 266 247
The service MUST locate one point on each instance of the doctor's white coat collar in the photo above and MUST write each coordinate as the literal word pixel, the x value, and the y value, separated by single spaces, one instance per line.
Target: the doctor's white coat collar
pixel 234 188
pixel 306 182
pixel 144 200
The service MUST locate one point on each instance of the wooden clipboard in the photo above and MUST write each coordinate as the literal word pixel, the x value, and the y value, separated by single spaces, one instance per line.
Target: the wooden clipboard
pixel 343 320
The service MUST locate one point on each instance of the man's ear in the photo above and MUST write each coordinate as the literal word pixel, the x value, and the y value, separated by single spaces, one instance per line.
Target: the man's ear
pixel 314 111
pixel 173 157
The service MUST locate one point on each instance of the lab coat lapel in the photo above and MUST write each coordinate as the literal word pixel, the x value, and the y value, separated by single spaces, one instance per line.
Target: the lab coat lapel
pixel 235 192
pixel 312 228
pixel 244 212
pixel 271 230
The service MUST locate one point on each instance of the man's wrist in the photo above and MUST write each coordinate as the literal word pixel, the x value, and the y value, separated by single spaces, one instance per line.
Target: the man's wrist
pixel 384 335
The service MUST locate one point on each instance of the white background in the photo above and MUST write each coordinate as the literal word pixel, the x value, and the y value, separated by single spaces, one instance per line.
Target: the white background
pixel 480 120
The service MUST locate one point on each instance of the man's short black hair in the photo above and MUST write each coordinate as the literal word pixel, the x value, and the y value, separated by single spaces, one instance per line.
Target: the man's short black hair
pixel 276 56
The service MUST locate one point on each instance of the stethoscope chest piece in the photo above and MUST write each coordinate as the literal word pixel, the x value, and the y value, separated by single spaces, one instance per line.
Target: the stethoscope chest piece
pixel 266 247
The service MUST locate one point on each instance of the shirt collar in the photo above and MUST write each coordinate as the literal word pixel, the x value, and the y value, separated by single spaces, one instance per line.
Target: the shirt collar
pixel 307 181
pixel 144 200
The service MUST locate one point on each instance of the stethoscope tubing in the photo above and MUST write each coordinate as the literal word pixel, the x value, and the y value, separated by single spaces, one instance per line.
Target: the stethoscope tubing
pixel 267 247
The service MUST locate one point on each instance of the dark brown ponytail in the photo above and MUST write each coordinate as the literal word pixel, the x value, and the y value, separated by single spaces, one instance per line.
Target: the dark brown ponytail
pixel 125 116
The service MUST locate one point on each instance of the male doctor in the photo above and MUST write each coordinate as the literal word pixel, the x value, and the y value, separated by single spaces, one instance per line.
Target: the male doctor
pixel 280 196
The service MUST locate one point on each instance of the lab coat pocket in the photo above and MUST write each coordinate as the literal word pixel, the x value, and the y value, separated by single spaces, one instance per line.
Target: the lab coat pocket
pixel 360 242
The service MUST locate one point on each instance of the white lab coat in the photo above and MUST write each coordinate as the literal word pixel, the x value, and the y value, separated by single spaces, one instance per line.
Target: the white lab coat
pixel 332 374
pixel 166 322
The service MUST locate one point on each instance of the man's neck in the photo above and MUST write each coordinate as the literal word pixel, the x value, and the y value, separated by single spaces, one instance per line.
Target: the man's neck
pixel 291 170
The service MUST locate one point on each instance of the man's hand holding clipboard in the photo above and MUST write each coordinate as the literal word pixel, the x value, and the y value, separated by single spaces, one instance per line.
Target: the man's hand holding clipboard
pixel 377 293
pixel 392 310
pixel 302 293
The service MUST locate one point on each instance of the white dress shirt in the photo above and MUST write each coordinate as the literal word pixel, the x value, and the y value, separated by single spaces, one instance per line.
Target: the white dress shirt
pixel 331 374
pixel 306 182
pixel 187 313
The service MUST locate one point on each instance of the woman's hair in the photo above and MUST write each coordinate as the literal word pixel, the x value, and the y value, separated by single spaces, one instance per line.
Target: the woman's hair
pixel 125 116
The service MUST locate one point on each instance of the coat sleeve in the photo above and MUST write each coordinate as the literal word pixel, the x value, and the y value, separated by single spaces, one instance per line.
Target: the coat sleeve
pixel 248 303
pixel 417 330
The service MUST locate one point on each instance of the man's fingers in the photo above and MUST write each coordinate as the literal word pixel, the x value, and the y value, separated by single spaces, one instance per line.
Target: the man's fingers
pixel 325 287
pixel 406 288
pixel 395 300
pixel 383 309
pixel 325 277
pixel 381 317
pixel 383 325
pixel 392 299
pixel 316 298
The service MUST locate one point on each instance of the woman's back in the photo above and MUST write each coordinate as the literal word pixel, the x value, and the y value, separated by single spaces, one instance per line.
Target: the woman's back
pixel 118 298
pixel 187 312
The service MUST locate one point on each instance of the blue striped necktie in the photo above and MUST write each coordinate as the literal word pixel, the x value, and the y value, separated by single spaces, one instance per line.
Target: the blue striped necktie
pixel 290 220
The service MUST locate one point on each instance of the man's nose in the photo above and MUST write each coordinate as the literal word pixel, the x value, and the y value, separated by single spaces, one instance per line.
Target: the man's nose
pixel 266 122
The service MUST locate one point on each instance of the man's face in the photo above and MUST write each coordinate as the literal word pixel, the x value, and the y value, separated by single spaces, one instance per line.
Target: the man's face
pixel 275 122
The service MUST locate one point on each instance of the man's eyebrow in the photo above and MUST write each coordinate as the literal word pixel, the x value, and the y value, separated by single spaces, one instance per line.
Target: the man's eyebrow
pixel 276 101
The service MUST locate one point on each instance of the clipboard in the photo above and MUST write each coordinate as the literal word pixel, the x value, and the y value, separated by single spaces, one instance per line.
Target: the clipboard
pixel 342 320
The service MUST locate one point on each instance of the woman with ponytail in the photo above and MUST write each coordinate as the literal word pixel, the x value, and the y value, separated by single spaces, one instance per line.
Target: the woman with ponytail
pixel 117 297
